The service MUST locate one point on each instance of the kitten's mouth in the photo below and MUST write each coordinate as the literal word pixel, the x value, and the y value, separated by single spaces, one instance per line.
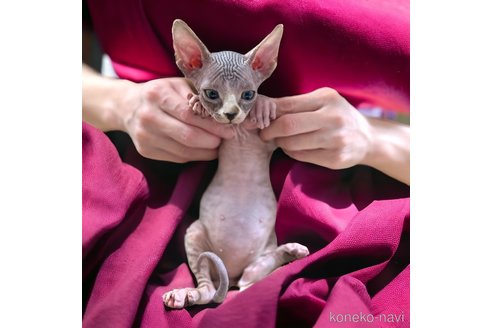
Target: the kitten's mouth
pixel 236 121
pixel 229 119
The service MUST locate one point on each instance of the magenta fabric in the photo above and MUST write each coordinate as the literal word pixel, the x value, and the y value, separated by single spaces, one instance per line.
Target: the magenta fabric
pixel 355 222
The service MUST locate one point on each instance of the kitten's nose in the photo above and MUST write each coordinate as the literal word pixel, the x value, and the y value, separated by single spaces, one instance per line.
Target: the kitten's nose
pixel 230 116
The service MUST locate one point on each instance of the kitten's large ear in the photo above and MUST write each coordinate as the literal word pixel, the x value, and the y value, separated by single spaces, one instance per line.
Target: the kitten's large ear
pixel 263 58
pixel 189 51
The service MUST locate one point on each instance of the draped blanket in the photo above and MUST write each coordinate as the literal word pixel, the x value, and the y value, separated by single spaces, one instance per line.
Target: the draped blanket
pixel 355 222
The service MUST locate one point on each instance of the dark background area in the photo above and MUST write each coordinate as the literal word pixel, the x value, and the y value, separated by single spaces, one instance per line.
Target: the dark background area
pixel 91 50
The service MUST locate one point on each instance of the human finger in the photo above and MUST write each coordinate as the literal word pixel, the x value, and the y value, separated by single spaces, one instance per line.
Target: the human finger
pixel 304 141
pixel 332 159
pixel 291 124
pixel 186 115
pixel 164 125
pixel 304 102
pixel 160 155
pixel 165 146
pixel 187 153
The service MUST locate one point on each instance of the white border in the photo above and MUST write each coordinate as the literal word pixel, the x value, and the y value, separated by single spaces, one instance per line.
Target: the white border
pixel 450 163
pixel 40 171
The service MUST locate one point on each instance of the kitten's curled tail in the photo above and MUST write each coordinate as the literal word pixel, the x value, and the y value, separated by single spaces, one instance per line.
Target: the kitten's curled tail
pixel 221 292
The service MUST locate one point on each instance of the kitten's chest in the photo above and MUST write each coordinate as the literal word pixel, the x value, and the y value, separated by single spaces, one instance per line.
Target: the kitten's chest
pixel 241 188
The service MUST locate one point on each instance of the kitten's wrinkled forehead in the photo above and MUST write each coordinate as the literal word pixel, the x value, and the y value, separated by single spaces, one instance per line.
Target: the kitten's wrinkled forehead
pixel 230 66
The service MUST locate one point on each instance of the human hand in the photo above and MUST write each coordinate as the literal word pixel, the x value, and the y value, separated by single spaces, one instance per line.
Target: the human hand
pixel 321 127
pixel 156 116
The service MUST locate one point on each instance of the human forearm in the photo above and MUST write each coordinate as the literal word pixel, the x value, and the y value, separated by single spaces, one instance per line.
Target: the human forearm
pixel 155 115
pixel 102 100
pixel 390 149
pixel 323 128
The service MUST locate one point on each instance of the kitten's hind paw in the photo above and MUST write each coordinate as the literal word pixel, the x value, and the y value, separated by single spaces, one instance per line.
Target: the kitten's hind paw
pixel 179 298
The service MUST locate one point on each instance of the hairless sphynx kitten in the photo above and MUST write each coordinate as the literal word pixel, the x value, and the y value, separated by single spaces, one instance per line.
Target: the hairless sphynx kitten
pixel 236 227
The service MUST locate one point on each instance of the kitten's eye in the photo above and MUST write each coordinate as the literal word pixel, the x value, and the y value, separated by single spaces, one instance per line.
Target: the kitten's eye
pixel 211 94
pixel 248 95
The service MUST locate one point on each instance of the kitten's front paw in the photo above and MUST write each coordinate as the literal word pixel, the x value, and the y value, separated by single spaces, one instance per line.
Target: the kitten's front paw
pixel 196 106
pixel 263 112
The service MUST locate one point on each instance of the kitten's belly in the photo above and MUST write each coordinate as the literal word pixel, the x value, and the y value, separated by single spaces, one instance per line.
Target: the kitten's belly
pixel 239 228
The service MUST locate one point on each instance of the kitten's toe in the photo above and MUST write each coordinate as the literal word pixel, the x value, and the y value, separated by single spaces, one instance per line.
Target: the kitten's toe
pixel 273 111
pixel 259 119
pixel 192 296
pixel 270 113
pixel 197 108
pixel 204 112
